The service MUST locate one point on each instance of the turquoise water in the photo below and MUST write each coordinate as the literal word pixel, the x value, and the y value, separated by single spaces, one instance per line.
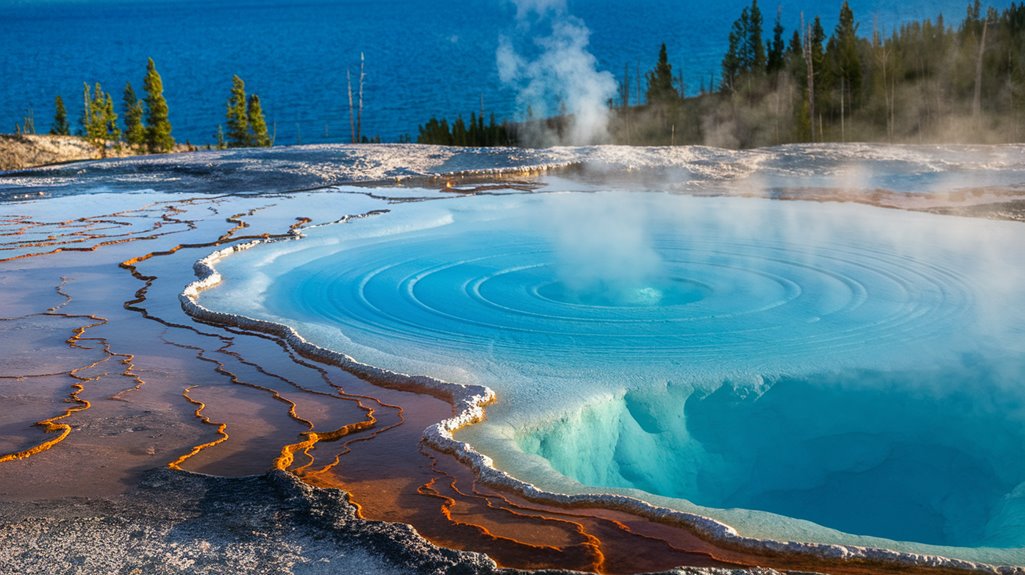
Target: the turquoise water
pixel 922 455
pixel 809 371
pixel 821 372
pixel 423 58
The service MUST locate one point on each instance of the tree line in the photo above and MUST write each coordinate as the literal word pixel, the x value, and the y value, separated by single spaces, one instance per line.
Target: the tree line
pixel 927 81
pixel 247 127
pixel 145 126
pixel 99 120
pixel 474 134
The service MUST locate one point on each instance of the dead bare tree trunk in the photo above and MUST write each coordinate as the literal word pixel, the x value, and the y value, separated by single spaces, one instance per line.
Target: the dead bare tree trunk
pixel 778 129
pixel 843 117
pixel 884 64
pixel 352 121
pixel 623 126
pixel 977 100
pixel 893 106
pixel 638 83
pixel 359 114
pixel 811 77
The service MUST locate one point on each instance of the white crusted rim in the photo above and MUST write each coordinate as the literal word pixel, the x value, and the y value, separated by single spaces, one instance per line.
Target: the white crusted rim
pixel 470 402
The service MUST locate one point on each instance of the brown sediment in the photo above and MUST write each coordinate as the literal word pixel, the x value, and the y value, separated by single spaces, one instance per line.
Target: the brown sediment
pixel 623 549
pixel 126 359
pixel 51 425
pixel 312 437
pixel 84 229
pixel 527 535
pixel 67 234
pixel 510 551
pixel 220 368
pixel 222 431
pixel 620 540
pixel 585 550
pixel 67 242
pixel 288 452
pixel 56 424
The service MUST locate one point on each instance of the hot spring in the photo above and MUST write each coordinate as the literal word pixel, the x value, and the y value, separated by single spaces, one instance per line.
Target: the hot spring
pixel 803 371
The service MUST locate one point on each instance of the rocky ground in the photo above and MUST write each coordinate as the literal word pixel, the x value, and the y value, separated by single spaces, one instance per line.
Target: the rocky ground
pixel 176 522
pixel 19 152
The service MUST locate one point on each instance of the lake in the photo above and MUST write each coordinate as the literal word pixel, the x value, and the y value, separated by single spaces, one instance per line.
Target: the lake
pixel 422 58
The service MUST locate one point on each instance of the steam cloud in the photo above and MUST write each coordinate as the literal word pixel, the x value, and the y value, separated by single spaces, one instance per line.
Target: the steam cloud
pixel 618 260
pixel 564 72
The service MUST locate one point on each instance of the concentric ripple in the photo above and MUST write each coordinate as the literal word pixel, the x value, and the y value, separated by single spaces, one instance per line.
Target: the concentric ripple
pixel 653 342
pixel 470 289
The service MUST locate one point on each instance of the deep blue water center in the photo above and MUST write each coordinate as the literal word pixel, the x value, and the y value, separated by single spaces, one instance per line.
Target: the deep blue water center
pixel 423 58
pixel 674 291
pixel 864 452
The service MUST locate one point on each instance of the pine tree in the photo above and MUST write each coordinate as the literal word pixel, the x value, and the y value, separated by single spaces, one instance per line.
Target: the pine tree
pixel 86 119
pixel 111 131
pixel 94 118
pixel 158 125
pixel 459 132
pixel 624 88
pixel 257 135
pixel 794 60
pixel 733 61
pixel 472 135
pixel 493 135
pixel 221 144
pixel 818 36
pixel 99 120
pixel 814 60
pixel 660 81
pixel 842 54
pixel 795 48
pixel 238 116
pixel 135 133
pixel 777 48
pixel 60 119
pixel 755 48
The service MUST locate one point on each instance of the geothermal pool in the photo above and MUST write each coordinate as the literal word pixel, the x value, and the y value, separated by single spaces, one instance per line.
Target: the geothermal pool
pixel 820 372
pixel 789 341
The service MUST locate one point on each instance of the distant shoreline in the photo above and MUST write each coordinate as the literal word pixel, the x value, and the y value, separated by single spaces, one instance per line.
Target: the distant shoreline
pixel 24 151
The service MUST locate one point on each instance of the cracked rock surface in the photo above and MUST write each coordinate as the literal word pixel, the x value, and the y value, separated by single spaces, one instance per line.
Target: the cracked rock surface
pixel 176 523
pixel 182 523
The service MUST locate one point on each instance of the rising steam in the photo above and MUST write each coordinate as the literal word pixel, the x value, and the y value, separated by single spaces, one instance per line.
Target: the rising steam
pixel 620 262
pixel 560 72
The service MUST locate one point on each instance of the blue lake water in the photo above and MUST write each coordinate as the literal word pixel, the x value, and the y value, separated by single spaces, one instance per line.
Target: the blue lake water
pixel 423 58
